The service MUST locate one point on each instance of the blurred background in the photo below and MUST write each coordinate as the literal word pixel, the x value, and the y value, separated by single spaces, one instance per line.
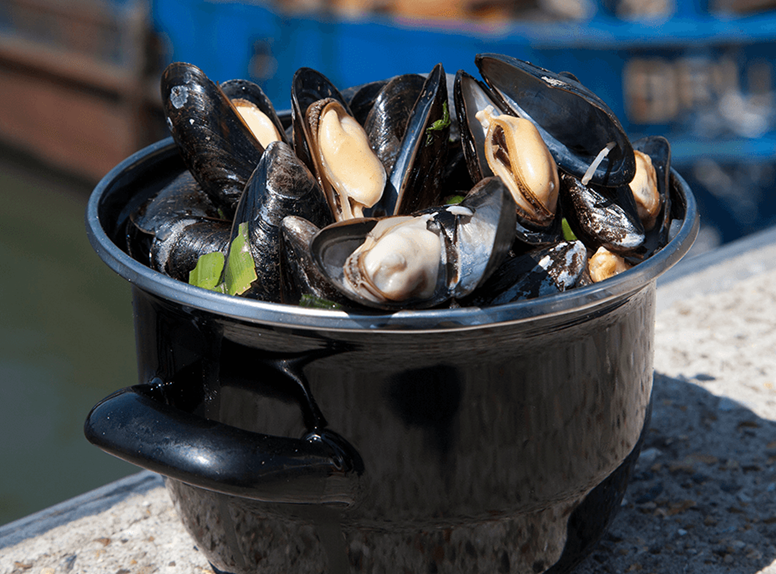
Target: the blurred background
pixel 79 92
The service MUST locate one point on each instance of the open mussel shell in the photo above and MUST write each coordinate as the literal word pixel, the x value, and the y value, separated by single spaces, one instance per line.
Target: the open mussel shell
pixel 280 186
pixel 335 146
pixel 575 124
pixel 474 237
pixel 414 182
pixel 307 87
pixel 602 216
pixel 471 96
pixel 386 122
pixel 659 150
pixel 215 142
pixel 300 275
pixel 535 273
pixel 251 101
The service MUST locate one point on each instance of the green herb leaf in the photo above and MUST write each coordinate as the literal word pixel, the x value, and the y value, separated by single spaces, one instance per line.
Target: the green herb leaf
pixel 438 125
pixel 318 302
pixel 568 235
pixel 240 267
pixel 454 199
pixel 207 273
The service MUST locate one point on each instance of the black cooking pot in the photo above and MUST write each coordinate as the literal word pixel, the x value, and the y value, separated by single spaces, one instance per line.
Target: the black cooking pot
pixel 455 440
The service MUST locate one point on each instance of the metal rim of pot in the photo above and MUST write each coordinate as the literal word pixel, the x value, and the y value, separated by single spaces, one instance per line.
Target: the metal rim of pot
pixel 410 320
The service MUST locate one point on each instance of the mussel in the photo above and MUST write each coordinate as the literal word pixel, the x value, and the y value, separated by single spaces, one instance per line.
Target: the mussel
pixel 353 214
pixel 602 216
pixel 216 144
pixel 658 222
pixel 415 179
pixel 170 231
pixel 496 141
pixel 420 260
pixel 535 273
pixel 604 264
pixel 350 173
pixel 280 186
pixel 256 110
pixel 580 130
pixel 335 146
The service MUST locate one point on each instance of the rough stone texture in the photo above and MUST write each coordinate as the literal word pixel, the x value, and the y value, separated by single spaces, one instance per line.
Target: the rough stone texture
pixel 703 496
pixel 139 535
pixel 702 499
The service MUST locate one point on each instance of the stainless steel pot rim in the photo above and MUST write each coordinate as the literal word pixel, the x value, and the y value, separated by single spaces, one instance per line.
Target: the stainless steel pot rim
pixel 411 321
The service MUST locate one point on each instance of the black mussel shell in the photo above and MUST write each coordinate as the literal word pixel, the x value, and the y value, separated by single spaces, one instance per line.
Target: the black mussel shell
pixel 575 124
pixel 177 248
pixel 476 234
pixel 361 98
pixel 251 92
pixel 602 216
pixel 280 186
pixel 659 150
pixel 542 271
pixel 300 275
pixel 483 240
pixel 307 87
pixel 455 178
pixel 215 143
pixel 180 199
pixel 532 235
pixel 415 181
pixel 386 122
pixel 471 95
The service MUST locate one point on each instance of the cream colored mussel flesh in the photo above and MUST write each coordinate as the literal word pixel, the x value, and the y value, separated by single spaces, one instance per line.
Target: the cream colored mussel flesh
pixel 259 123
pixel 516 152
pixel 399 260
pixel 645 192
pixel 354 175
pixel 604 264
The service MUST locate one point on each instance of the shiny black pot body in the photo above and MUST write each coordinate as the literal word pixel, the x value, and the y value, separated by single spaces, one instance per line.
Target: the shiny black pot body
pixel 438 441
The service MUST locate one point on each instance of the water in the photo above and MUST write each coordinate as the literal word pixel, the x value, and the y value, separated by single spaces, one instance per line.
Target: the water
pixel 66 341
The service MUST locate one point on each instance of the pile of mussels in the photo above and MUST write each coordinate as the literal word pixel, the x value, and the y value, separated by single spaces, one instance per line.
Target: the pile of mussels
pixel 412 192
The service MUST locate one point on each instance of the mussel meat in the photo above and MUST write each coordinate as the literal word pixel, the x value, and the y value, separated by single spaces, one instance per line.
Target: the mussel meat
pixel 256 110
pixel 578 127
pixel 515 152
pixel 349 172
pixel 423 259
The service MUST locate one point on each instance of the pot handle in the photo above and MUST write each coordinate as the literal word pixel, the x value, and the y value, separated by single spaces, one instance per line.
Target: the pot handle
pixel 133 425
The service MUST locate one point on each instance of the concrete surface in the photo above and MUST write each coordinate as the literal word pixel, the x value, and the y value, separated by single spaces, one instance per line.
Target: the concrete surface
pixel 702 499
